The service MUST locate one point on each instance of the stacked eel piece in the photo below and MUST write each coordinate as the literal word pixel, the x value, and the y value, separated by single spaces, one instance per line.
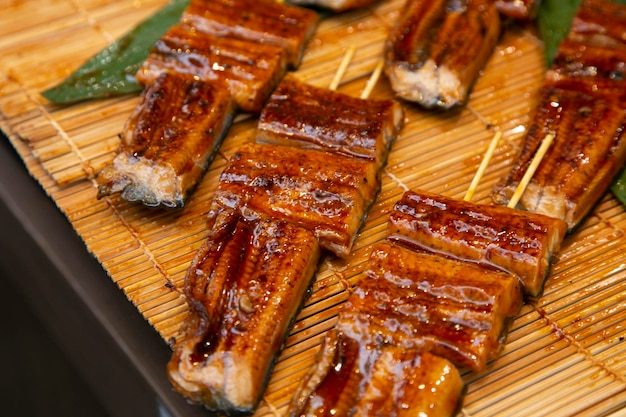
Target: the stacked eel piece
pixel 438 292
pixel 436 50
pixel 304 187
pixel 582 104
pixel 223 56
pixel 437 296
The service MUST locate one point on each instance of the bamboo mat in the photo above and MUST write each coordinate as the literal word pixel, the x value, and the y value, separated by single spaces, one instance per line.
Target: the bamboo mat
pixel 565 355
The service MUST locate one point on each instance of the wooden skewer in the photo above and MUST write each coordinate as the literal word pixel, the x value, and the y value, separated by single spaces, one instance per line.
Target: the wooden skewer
pixel 534 164
pixel 371 83
pixel 342 68
pixel 483 166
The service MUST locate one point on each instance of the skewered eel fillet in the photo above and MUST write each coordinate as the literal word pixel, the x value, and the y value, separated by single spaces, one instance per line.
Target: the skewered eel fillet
pixel 168 141
pixel 195 78
pixel 259 21
pixel 588 149
pixel 436 50
pixel 325 172
pixel 326 194
pixel 244 288
pixel 426 288
pixel 275 209
pixel 582 104
pixel 299 114
pixel 522 243
pixel 438 312
pixel 250 70
pixel 349 379
pixel 425 301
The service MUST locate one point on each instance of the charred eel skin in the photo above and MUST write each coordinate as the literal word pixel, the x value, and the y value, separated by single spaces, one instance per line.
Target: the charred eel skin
pixel 168 141
pixel 522 243
pixel 435 52
pixel 244 288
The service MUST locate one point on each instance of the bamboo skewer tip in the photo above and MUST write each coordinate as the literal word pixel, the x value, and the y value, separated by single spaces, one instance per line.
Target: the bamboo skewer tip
pixel 483 166
pixel 373 80
pixel 343 66
pixel 534 164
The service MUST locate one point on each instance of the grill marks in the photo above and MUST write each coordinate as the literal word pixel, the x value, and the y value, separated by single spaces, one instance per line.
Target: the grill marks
pixel 422 301
pixel 437 49
pixel 244 288
pixel 168 141
pixel 522 243
pixel 256 21
pixel 240 50
pixel 582 105
pixel 250 72
pixel 328 195
pixel 348 379
pixel 275 209
pixel 301 115
pixel 440 290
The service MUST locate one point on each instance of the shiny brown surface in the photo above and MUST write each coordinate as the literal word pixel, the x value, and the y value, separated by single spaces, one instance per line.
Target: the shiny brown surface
pixel 299 114
pixel 418 300
pixel 251 70
pixel 563 355
pixel 520 242
pixel 581 103
pixel 436 49
pixel 168 141
pixel 599 70
pixel 351 379
pixel 588 150
pixel 600 21
pixel 244 288
pixel 518 9
pixel 328 194
pixel 261 21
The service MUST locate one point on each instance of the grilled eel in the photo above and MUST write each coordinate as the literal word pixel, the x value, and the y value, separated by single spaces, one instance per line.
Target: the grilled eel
pixel 600 22
pixel 436 312
pixel 592 58
pixel 588 150
pixel 582 104
pixel 593 54
pixel 251 70
pixel 334 5
pixel 305 200
pixel 436 50
pixel 418 300
pixel 299 114
pixel 168 142
pixel 325 193
pixel 522 243
pixel 350 379
pixel 518 9
pixel 599 70
pixel 259 21
pixel 244 288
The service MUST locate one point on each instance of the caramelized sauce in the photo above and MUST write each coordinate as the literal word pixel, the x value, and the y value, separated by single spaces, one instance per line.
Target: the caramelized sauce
pixel 516 241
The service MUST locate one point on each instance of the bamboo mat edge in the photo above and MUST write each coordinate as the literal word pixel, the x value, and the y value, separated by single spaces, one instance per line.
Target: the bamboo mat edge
pixel 550 330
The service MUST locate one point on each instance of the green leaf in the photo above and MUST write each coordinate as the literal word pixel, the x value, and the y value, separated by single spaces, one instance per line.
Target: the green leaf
pixel 554 21
pixel 111 72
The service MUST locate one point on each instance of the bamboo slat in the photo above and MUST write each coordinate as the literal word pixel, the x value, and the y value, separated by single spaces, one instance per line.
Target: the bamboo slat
pixel 565 354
